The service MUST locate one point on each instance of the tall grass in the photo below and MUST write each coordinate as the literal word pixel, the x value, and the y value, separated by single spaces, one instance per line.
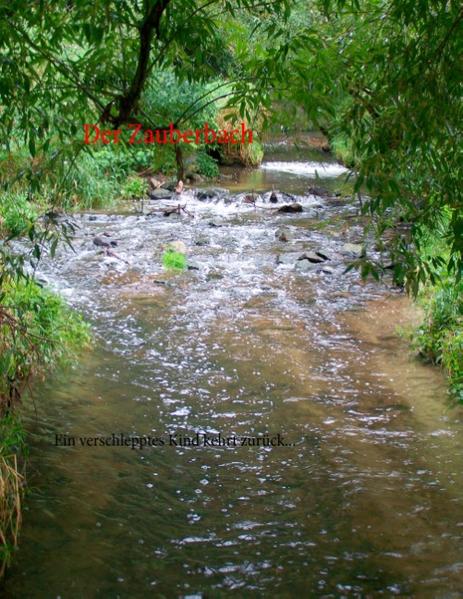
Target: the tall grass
pixel 11 487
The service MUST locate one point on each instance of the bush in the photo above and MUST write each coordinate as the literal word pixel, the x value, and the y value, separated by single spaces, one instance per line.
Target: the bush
pixel 37 330
pixel 247 154
pixel 16 213
pixel 207 166
pixel 440 338
pixel 342 150
pixel 135 187
pixel 96 179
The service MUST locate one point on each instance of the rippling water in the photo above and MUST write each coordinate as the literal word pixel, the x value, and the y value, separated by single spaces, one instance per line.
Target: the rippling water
pixel 365 501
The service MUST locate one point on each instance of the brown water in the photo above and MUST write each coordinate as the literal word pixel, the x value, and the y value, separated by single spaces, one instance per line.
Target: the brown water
pixel 366 500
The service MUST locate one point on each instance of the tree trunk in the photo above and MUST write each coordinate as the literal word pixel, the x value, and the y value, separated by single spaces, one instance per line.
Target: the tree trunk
pixel 179 161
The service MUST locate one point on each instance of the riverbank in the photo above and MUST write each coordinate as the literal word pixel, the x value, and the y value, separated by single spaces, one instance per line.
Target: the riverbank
pixel 37 332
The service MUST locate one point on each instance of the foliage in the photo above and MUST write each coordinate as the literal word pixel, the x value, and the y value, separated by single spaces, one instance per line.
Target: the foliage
pixel 342 149
pixel 37 330
pixel 135 187
pixel 164 160
pixel 207 166
pixel 173 260
pixel 440 338
pixel 387 76
pixel 17 213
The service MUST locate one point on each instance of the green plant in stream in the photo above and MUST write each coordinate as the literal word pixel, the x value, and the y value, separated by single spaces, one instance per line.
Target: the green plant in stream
pixel 173 260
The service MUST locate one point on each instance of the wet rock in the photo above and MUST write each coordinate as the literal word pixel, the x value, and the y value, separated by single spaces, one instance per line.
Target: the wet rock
pixel 352 249
pixel 154 183
pixel 215 223
pixel 286 197
pixel 327 270
pixel 172 211
pixel 250 198
pixel 284 234
pixel 92 218
pixel 172 214
pixel 289 259
pixel 312 257
pixel 202 240
pixel 98 241
pixel 291 208
pixel 101 242
pixel 305 265
pixel 214 275
pixel 194 178
pixel 322 255
pixel 170 185
pixel 177 246
pixel 212 193
pixel 273 198
pixel 319 191
pixel 160 194
pixel 193 265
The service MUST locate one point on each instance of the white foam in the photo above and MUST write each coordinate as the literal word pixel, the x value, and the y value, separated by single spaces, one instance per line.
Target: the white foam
pixel 308 169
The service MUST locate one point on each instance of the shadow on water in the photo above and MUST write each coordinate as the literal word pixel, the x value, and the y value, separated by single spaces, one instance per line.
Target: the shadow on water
pixel 365 498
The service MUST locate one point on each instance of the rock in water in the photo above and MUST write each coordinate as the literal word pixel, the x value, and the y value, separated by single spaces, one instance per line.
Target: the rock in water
pixel 312 257
pixel 177 246
pixel 101 242
pixel 352 248
pixel 319 191
pixel 160 194
pixel 291 208
pixel 273 198
pixel 211 193
pixel 304 265
pixel 283 234
pixel 289 258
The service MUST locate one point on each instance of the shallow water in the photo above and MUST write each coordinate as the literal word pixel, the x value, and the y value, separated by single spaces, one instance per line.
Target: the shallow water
pixel 366 498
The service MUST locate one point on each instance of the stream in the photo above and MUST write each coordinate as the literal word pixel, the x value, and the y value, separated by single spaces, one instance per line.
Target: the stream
pixel 365 496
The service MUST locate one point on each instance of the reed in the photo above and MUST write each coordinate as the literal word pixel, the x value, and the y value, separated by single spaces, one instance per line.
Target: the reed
pixel 11 492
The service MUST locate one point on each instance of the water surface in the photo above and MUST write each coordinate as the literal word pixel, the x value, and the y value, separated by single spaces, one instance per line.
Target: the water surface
pixel 365 500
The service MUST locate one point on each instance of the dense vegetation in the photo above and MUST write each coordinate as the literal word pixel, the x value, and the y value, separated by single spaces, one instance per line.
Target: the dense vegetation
pixel 382 78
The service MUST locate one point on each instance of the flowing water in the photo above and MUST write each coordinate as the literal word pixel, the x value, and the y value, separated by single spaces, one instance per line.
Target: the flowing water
pixel 364 498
